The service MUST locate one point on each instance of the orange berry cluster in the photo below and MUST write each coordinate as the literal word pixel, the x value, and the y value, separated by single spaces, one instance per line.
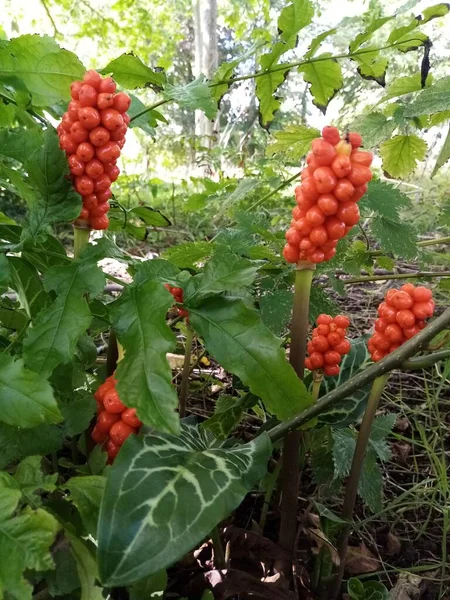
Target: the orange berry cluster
pixel 115 422
pixel 401 316
pixel 328 344
pixel 334 181
pixel 177 293
pixel 92 133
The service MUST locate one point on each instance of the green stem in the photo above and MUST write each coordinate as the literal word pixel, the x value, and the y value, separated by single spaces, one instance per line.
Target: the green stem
pixel 186 370
pixel 268 495
pixel 292 440
pixel 273 192
pixel 422 244
pixel 80 240
pixel 149 108
pixel 219 556
pixel 317 382
pixel 423 362
pixel 394 360
pixel 351 488
pixel 397 276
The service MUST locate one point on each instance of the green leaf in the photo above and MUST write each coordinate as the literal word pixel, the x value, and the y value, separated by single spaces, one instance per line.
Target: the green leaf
pixel 86 567
pixel 129 70
pixel 374 128
pixel 320 302
pixel 434 99
pixel 225 71
pixel 325 79
pixel 369 590
pixel 385 200
pixel 144 375
pixel 19 143
pixel 78 413
pixel 370 486
pixel 64 579
pixel 293 142
pixel 26 400
pixel 150 587
pixel 224 272
pixel 367 33
pixel 381 428
pixel 156 269
pixel 410 41
pixel 187 255
pixel 294 17
pixel 7 114
pixel 45 253
pixel 401 86
pixel 26 282
pixel 55 198
pixel 145 527
pixel 371 66
pixel 401 154
pixel 31 479
pixel 243 189
pixel 150 216
pixel 317 41
pixel 237 339
pixel 11 316
pixel 444 154
pixel 343 450
pixel 16 443
pixel 86 493
pixel 228 413
pixel 399 238
pixel 45 68
pixel 276 310
pixel 196 95
pixel 56 330
pixel 435 11
pixel 358 258
pixel 5 272
pixel 147 121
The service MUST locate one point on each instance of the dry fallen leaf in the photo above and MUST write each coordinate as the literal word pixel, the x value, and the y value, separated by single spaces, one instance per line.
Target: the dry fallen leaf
pixel 393 544
pixel 406 588
pixel 360 560
pixel 401 450
pixel 175 361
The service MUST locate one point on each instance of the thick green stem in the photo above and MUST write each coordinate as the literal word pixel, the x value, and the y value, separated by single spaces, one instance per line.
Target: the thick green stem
pixel 317 382
pixel 423 362
pixel 268 495
pixel 186 370
pixel 291 447
pixel 80 240
pixel 397 276
pixel 219 555
pixel 351 488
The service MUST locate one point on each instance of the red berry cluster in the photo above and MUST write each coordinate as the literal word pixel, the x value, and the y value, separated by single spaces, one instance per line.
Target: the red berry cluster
pixel 177 293
pixel 401 316
pixel 92 133
pixel 328 344
pixel 115 422
pixel 333 182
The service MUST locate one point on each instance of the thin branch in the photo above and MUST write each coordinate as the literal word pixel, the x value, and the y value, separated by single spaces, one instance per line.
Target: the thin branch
pixel 397 276
pixel 49 15
pixel 389 363
pixel 423 362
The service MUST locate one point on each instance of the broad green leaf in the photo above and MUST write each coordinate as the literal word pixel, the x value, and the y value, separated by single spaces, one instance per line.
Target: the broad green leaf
pixel 224 272
pixel 293 142
pixel 86 493
pixel 370 486
pixel 358 258
pixel 53 338
pixel 19 143
pixel 129 70
pixel 317 41
pixel 244 188
pixel 411 41
pixel 367 33
pixel 10 495
pixel 6 220
pixel 25 542
pixel 105 247
pixel 151 587
pixel 294 17
pixel 401 154
pixel 228 413
pixel 31 479
pixel 324 77
pixel 147 121
pixel 404 85
pixel 444 155
pixel 64 579
pixel 435 11
pixel 26 399
pixel 157 269
pixel 381 428
pixel 225 72
pixel 266 86
pixel 45 253
pixel 55 198
pixel 78 413
pixel 434 99
pixel 7 114
pixel 16 442
pixel 144 375
pixel 150 216
pixel 26 282
pixel 5 272
pixel 371 66
pixel 196 95
pixel 11 315
pixel 276 310
pixel 238 340
pixel 164 494
pixel 385 200
pixel 320 302
pixel 187 255
pixel 398 238
pixel 87 568
pixel 46 69
pixel 374 128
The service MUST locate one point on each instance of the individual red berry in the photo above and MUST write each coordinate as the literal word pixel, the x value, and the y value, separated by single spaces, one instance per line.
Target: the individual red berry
pixel 422 310
pixel 99 222
pixel 112 402
pixel 343 347
pixel 308 364
pixel 75 88
pixel 380 341
pixel 119 134
pixel 324 319
pixel 108 152
pixel 331 357
pixel 325 180
pixel 104 196
pixel 112 449
pixel 296 212
pixel 99 210
pixel 126 118
pixel 107 85
pixel 320 343
pixel 328 204
pixel 335 228
pixel 421 294
pixel 85 152
pixel 330 253
pixel 111 119
pixel 317 256
pixel 405 318
pixel 394 333
pixel 76 165
pixel 66 123
pixel 315 216
pixel 408 288
pixel 323 327
pixel 411 332
pixel 342 321
pixel 84 185
pixel 303 226
pixel 92 78
pixel 331 135
pixel 303 203
pixel 72 108
pixel 378 355
pixel 359 192
pixel 359 175
pixel 293 236
pixel 354 139
pixel 90 202
pixel 388 313
pixel 120 431
pixel 98 436
pixel 106 420
pixel 360 157
pixel 317 360
pixel 323 152
pixel 307 172
pixel 291 253
pixel 129 417
pixel 348 213
pixel 67 143
pixel 309 189
pixel 79 133
pixel 400 300
pixel 334 338
pixel 122 102
pixel 84 214
pixel 344 190
pixel 94 168
pixel 112 171
pixel 318 235
pixel 99 136
pixel 105 100
pixel 341 166
pixel 331 370
pixel 102 183
pixel 87 95
pixel 89 117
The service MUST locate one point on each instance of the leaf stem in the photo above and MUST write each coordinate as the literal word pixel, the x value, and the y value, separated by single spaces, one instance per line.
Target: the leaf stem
pixel 80 240
pixel 186 370
pixel 397 276
pixel 292 440
pixel 149 108
pixel 351 488
pixel 394 360
pixel 219 555
pixel 268 495
pixel 422 244
pixel 282 185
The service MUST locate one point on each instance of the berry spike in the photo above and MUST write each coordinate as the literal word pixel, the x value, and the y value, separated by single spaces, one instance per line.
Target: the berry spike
pixel 92 133
pixel 334 181
pixel 401 316
pixel 328 344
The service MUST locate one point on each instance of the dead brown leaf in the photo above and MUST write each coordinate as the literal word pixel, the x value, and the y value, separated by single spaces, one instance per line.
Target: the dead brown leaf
pixel 401 451
pixel 406 588
pixel 228 583
pixel 360 560
pixel 393 544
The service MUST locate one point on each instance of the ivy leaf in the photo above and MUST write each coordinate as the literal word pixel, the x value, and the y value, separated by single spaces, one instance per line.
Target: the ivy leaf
pixel 26 282
pixel 46 69
pixel 224 272
pixel 444 155
pixel 145 528
pixel 53 338
pixel 20 143
pixel 187 255
pixel 367 33
pixel 55 198
pixel 228 413
pixel 432 100
pixel 129 70
pixel 293 142
pixel 196 95
pixel 31 479
pixel 325 79
pixel 401 154
pixel 26 400
pixel 144 375
pixel 371 66
pixel 86 494
pixel 236 337
pixel 276 310
pixel 370 486
pixel 401 86
pixel 398 238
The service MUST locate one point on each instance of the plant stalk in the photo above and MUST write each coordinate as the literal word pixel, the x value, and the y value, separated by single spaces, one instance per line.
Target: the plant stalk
pixel 397 276
pixel 351 488
pixel 186 371
pixel 291 447
pixel 268 495
pixel 80 239
pixel 219 555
